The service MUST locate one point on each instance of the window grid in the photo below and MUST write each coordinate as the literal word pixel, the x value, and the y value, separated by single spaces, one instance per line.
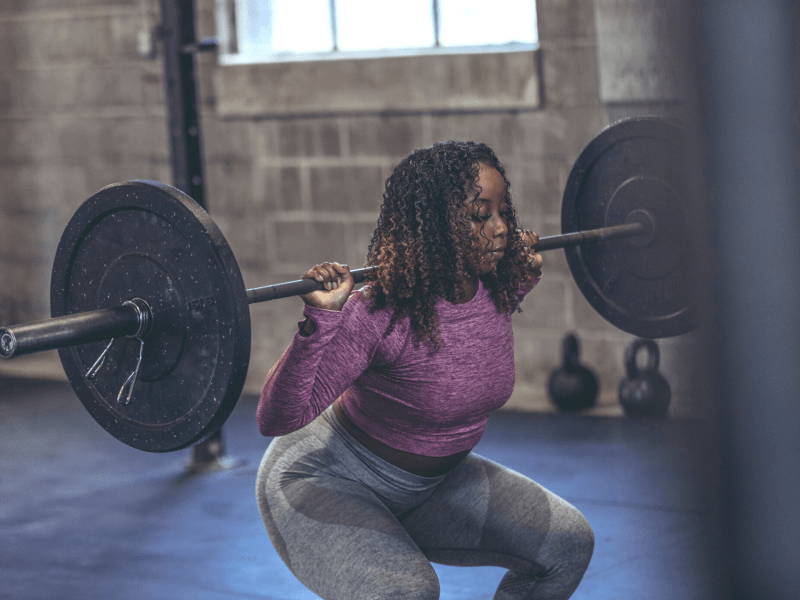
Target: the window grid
pixel 334 31
pixel 437 43
pixel 227 16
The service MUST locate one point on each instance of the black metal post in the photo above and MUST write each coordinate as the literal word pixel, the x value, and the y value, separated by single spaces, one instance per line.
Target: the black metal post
pixel 186 152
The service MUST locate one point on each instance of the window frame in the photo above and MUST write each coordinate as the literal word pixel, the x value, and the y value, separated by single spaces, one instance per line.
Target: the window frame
pixel 405 84
pixel 432 80
pixel 228 39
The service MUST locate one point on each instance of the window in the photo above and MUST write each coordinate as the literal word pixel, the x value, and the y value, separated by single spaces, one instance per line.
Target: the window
pixel 256 31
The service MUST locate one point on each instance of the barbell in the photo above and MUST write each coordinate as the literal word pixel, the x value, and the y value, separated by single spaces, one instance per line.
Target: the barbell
pixel 150 314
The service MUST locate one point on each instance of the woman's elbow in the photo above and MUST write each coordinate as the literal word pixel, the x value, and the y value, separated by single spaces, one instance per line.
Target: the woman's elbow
pixel 272 427
pixel 266 426
pixel 265 430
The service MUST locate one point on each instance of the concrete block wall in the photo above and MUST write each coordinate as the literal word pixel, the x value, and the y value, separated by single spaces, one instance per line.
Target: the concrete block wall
pixel 81 109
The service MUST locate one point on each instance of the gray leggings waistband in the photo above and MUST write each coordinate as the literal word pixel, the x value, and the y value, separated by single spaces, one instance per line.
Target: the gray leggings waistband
pixel 400 489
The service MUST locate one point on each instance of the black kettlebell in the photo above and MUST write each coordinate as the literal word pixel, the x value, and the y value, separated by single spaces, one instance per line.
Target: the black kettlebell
pixel 572 386
pixel 643 392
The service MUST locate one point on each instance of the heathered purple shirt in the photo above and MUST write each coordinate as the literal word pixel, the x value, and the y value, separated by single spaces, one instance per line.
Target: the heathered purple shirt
pixel 397 390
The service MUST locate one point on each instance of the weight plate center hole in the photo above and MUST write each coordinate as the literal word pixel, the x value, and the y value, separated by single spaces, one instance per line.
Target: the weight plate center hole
pixel 646 218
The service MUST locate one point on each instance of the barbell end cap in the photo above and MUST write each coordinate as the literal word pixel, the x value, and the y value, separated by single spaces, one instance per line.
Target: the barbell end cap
pixel 8 343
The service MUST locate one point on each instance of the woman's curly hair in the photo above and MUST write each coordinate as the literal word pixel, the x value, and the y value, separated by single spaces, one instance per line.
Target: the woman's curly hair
pixel 423 241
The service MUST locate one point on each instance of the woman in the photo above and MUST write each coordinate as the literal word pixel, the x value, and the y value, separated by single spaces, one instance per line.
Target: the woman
pixel 384 392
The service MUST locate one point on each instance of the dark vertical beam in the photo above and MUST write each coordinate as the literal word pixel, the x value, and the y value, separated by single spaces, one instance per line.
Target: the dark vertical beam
pixel 186 151
pixel 747 57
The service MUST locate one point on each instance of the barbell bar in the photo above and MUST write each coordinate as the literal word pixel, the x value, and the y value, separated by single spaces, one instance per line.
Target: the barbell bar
pixel 142 265
pixel 134 318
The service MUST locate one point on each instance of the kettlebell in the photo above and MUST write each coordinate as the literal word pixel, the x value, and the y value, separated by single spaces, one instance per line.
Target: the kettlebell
pixel 643 392
pixel 572 386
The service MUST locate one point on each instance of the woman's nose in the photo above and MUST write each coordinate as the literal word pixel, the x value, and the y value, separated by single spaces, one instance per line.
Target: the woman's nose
pixel 500 227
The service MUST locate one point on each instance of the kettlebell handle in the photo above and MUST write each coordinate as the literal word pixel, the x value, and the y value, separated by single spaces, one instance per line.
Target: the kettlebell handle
pixel 632 351
pixel 570 351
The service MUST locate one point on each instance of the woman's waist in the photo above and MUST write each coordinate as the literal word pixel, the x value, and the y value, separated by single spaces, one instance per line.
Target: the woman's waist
pixel 418 464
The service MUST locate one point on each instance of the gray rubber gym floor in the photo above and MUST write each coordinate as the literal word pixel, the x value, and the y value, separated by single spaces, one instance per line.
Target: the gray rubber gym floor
pixel 85 517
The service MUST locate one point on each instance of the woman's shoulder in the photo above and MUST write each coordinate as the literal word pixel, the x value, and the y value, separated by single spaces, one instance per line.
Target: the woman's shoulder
pixel 370 325
pixel 361 305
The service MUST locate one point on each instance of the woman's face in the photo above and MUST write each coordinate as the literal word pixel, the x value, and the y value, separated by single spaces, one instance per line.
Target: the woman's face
pixel 488 212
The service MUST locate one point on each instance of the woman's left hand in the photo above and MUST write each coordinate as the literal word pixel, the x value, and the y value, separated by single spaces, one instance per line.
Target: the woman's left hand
pixel 535 260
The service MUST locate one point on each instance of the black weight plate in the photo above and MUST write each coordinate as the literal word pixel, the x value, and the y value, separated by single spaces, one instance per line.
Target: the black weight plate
pixel 143 239
pixel 640 285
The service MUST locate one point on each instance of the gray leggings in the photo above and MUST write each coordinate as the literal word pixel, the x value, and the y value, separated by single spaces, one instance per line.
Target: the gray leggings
pixel 351 526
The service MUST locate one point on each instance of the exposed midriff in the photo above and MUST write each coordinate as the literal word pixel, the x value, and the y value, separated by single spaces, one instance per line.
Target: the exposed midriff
pixel 418 464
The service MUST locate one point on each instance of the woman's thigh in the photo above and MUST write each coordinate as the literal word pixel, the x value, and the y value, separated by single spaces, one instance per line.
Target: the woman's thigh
pixel 335 535
pixel 485 514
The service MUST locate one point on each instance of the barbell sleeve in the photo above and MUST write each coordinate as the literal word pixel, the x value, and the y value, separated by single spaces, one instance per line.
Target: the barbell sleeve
pixel 591 236
pixel 69 330
pixel 131 319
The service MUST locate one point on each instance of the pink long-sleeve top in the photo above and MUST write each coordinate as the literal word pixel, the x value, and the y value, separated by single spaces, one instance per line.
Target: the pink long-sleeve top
pixel 397 390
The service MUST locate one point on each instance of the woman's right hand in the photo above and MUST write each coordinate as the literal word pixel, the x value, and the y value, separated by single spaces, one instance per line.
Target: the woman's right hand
pixel 338 284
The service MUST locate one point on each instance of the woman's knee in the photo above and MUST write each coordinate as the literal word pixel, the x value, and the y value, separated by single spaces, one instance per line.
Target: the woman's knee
pixel 396 579
pixel 419 582
pixel 576 534
pixel 584 536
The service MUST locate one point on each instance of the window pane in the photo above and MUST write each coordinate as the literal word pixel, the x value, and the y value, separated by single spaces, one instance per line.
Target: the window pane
pixel 477 22
pixel 372 25
pixel 285 25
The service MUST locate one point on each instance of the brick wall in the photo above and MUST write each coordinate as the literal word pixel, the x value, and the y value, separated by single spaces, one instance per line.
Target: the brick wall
pixel 79 108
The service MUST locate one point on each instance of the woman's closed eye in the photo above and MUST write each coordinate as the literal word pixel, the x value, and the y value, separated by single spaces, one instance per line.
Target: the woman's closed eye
pixel 483 218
